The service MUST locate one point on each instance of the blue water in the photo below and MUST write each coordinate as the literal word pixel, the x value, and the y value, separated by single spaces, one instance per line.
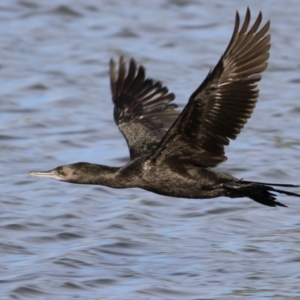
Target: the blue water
pixel 63 241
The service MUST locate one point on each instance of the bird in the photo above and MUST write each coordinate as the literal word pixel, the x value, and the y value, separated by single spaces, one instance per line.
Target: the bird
pixel 174 153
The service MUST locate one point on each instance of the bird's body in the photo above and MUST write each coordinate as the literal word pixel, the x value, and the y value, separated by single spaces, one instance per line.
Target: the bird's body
pixel 172 153
pixel 186 182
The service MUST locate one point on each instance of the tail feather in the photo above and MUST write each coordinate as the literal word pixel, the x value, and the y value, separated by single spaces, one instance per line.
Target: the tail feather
pixel 286 192
pixel 263 193
pixel 271 184
pixel 265 197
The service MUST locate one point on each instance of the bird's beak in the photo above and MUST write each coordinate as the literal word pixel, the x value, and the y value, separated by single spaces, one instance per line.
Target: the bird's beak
pixel 48 174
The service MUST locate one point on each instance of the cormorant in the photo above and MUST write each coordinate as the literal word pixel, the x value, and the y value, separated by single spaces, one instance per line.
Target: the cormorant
pixel 172 152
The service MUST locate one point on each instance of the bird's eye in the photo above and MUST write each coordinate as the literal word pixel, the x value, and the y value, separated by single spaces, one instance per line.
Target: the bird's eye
pixel 59 170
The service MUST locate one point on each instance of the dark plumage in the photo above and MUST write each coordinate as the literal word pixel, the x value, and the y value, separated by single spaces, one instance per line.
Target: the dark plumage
pixel 172 153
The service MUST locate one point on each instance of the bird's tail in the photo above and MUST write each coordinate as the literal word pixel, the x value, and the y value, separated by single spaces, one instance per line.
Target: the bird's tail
pixel 263 192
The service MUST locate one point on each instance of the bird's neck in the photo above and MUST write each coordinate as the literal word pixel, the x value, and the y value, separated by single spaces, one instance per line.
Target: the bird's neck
pixel 99 174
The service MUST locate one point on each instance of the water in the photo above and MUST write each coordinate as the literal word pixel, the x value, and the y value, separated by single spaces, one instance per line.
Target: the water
pixel 63 241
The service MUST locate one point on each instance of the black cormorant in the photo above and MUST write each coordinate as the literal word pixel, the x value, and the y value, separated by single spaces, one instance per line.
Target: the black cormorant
pixel 172 152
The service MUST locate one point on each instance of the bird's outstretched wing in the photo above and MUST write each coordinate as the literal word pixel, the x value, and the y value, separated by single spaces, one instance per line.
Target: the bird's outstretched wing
pixel 223 103
pixel 142 109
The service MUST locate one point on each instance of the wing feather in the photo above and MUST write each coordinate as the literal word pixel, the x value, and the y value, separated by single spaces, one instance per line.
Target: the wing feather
pixel 143 110
pixel 222 104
